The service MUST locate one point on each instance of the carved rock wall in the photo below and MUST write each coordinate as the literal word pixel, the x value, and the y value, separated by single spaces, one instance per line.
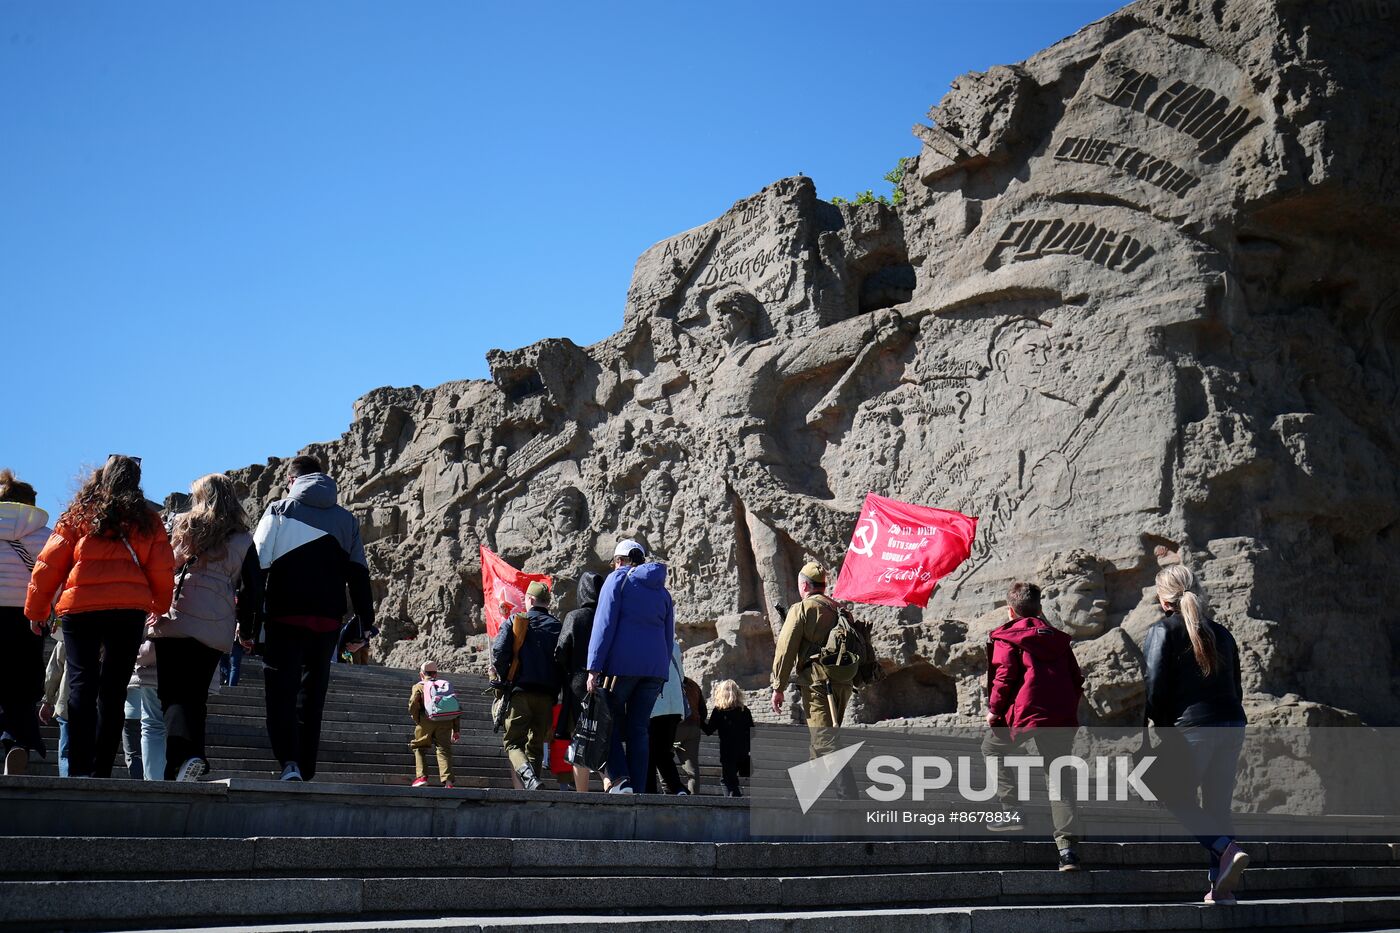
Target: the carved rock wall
pixel 1140 304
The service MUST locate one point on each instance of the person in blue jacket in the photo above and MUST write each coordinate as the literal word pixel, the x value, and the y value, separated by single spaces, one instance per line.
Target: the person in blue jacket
pixel 629 653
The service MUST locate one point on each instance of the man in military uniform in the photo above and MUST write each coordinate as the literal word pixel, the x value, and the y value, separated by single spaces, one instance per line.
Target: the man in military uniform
pixel 534 678
pixel 804 634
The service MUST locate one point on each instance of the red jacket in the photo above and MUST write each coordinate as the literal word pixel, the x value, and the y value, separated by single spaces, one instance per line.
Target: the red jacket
pixel 1033 679
pixel 89 573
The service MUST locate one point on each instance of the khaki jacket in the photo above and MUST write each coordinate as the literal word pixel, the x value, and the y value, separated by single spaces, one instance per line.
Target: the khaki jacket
pixel 804 633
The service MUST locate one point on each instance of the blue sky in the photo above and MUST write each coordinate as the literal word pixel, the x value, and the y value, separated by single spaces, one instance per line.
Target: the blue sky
pixel 220 224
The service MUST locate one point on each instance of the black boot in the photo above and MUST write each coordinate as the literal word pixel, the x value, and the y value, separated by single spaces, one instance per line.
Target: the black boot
pixel 527 777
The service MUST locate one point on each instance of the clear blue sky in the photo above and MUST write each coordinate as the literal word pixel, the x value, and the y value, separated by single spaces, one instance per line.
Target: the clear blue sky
pixel 220 224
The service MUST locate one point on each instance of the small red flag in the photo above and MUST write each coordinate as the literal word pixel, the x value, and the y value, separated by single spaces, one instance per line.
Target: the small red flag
pixel 899 552
pixel 502 583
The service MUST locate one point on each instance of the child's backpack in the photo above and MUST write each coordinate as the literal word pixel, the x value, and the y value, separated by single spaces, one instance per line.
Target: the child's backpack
pixel 440 700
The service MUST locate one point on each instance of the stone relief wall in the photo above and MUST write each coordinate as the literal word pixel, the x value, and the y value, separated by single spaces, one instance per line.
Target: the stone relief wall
pixel 1140 304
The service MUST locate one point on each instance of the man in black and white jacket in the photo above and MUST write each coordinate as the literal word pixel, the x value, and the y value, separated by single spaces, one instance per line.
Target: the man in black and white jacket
pixel 310 550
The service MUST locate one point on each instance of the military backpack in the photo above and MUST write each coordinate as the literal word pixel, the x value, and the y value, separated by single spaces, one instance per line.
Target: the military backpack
pixel 845 656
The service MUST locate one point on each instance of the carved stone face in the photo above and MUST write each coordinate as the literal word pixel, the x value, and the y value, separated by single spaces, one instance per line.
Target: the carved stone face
pixel 1023 361
pixel 566 511
pixel 733 312
pixel 1077 596
pixel 451 447
pixel 449 524
pixel 659 490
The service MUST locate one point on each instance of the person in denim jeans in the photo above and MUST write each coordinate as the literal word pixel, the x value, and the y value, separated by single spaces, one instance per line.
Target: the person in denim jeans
pixel 629 653
pixel 1194 697
pixel 55 705
pixel 231 664
pixel 143 739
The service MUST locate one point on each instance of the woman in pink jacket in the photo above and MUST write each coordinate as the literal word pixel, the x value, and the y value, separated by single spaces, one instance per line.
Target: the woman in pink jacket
pixel 23 531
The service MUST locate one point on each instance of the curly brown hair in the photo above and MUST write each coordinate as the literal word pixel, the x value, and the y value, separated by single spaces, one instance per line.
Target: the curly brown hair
pixel 111 503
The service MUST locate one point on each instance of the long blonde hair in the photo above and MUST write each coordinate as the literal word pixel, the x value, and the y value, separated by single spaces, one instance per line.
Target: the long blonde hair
pixel 215 515
pixel 727 695
pixel 1176 586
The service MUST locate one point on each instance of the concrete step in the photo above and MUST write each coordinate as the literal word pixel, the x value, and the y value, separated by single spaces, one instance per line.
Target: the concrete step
pixel 261 806
pixel 348 806
pixel 192 899
pixel 95 857
pixel 1280 915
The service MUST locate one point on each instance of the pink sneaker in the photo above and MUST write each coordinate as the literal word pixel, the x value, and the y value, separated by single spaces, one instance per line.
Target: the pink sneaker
pixel 419 782
pixel 448 784
pixel 1220 900
pixel 1233 862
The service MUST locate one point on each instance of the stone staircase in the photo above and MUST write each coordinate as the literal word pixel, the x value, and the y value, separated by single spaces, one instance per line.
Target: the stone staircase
pixel 363 884
pixel 365 733
pixel 356 851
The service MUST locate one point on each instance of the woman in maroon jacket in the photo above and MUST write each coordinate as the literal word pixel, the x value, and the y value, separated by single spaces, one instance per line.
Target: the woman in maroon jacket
pixel 1033 691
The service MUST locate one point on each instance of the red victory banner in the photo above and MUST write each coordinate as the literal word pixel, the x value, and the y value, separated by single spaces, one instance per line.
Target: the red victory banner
pixel 503 584
pixel 899 552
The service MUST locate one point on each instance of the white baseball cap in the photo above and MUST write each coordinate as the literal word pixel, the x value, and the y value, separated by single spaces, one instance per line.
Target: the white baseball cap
pixel 626 547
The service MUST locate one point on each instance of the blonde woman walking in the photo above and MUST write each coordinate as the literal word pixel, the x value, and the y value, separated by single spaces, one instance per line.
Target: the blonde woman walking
pixel 215 564
pixel 1194 697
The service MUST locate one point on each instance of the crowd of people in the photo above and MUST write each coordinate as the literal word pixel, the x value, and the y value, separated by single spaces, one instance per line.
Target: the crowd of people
pixel 145 611
pixel 621 638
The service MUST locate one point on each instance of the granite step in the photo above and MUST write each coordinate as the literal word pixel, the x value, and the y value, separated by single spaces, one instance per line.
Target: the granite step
pixel 96 857
pixel 1279 915
pixel 115 903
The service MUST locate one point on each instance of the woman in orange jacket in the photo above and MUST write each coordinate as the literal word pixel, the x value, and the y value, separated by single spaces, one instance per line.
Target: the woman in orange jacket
pixel 110 565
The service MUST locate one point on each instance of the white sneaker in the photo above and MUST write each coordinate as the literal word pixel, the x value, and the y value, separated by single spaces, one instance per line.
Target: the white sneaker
pixel 623 788
pixel 196 768
pixel 291 772
pixel 1233 862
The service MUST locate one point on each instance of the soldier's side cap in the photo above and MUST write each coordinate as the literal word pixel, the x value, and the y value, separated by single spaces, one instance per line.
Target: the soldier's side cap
pixel 537 590
pixel 814 572
pixel 626 547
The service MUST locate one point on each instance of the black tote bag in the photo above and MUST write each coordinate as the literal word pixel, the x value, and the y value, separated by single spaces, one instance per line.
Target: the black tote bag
pixel 593 732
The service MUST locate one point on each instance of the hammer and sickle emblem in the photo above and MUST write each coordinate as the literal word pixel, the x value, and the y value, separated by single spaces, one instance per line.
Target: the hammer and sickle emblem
pixel 867 532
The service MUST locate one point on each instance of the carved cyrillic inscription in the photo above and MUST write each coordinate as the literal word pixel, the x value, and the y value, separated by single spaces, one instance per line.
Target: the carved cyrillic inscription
pixel 1209 118
pixel 753 265
pixel 1129 160
pixel 1356 12
pixel 1032 239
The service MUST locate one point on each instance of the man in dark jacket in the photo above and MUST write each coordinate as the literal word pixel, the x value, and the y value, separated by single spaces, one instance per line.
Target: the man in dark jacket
pixel 572 658
pixel 1033 691
pixel 310 551
pixel 534 676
